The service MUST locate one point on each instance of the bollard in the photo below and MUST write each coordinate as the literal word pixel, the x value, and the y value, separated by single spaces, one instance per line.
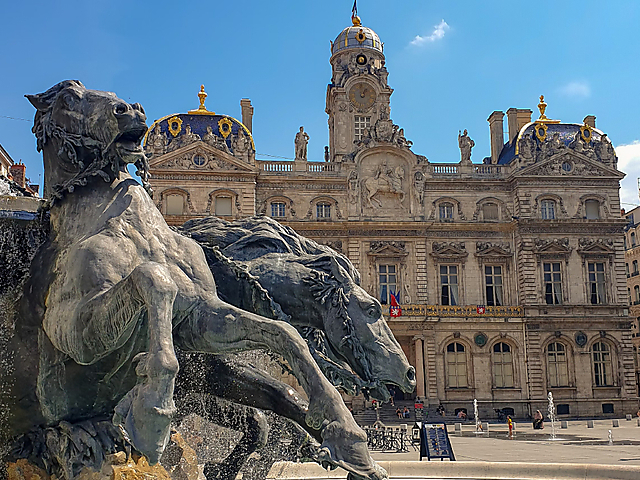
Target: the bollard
pixel 639 422
pixel 615 422
pixel 589 423
pixel 458 427
pixel 564 424
pixel 514 426
pixel 628 417
pixel 485 427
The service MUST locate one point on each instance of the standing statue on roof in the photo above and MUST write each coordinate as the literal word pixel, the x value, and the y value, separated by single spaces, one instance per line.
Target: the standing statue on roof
pixel 466 144
pixel 301 141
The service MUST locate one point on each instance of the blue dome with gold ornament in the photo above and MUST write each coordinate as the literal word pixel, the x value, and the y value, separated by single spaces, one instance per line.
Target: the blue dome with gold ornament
pixel 356 36
pixel 177 130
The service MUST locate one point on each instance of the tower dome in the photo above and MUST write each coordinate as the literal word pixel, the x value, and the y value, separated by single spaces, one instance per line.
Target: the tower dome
pixel 356 36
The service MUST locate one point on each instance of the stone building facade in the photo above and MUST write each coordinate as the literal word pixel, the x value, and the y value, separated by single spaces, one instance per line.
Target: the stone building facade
pixel 632 258
pixel 510 272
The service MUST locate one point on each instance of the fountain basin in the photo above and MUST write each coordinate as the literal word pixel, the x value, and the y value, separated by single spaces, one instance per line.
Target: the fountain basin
pixel 465 470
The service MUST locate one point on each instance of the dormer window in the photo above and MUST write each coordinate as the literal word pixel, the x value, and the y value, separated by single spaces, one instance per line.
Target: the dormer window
pixel 548 209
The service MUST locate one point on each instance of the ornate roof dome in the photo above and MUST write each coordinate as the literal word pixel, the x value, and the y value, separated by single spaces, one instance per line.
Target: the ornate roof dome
pixel 356 36
pixel 178 130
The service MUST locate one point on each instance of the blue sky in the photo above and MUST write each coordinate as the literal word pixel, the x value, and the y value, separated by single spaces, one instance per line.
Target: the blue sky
pixel 451 64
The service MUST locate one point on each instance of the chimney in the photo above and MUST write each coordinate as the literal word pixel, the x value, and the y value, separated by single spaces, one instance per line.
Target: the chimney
pixel 590 120
pixel 247 113
pixel 18 173
pixel 517 118
pixel 497 136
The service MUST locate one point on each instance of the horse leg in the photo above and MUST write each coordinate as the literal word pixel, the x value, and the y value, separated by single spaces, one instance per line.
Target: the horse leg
pixel 214 326
pixel 145 412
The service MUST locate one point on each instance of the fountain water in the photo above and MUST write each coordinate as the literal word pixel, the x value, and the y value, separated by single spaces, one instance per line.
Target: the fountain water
pixel 610 438
pixel 476 417
pixel 552 415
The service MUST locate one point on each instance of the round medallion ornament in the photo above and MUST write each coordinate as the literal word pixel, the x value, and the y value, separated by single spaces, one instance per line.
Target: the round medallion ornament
pixel 360 36
pixel 361 59
pixel 225 126
pixel 567 167
pixel 480 339
pixel 199 160
pixel 586 133
pixel 175 125
pixel 541 131
pixel 581 339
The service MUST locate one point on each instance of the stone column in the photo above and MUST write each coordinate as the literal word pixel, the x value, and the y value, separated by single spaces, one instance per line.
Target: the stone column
pixel 419 349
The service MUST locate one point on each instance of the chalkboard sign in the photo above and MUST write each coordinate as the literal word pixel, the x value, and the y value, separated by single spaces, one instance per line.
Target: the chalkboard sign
pixel 434 442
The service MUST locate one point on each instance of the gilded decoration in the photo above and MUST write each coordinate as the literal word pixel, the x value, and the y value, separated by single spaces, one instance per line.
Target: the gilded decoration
pixel 586 132
pixel 175 125
pixel 202 110
pixel 224 124
pixel 360 36
pixel 541 131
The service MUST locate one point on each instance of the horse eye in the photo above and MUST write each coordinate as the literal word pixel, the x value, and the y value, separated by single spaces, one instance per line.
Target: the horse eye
pixel 372 312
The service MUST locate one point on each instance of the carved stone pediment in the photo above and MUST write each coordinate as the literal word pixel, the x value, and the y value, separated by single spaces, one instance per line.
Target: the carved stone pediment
pixel 569 164
pixel 387 249
pixel 199 157
pixel 449 250
pixel 596 247
pixel 555 247
pixel 495 251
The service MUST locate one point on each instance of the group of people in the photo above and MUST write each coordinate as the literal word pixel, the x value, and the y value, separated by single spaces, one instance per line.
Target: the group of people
pixel 403 413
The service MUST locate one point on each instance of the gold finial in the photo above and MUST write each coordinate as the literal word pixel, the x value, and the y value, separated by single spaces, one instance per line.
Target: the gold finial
pixel 542 106
pixel 356 21
pixel 202 95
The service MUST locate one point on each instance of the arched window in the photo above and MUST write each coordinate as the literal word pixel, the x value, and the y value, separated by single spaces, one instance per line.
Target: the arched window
pixel 446 211
pixel 602 367
pixel 456 365
pixel 323 210
pixel 502 365
pixel 633 239
pixel 223 206
pixel 490 211
pixel 277 209
pixel 592 209
pixel 557 366
pixel 548 209
pixel 175 205
pixel 636 293
pixel 635 266
pixel 626 267
pixel 629 292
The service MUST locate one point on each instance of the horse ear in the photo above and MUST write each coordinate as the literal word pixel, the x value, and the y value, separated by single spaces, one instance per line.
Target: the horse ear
pixel 38 102
pixel 42 101
pixel 338 272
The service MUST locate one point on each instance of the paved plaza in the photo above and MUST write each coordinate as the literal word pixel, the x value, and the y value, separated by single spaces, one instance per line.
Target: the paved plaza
pixel 576 444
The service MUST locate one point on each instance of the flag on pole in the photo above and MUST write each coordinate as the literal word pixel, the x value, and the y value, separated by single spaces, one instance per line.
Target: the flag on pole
pixel 394 309
pixel 354 10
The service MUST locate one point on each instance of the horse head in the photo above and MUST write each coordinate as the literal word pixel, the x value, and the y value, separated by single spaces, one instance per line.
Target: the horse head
pixel 84 134
pixel 355 328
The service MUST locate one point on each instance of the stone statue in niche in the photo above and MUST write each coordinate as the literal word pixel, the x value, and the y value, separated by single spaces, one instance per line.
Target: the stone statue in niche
pixel 215 141
pixel 157 142
pixel 301 141
pixel 466 144
pixel 353 187
pixel 418 187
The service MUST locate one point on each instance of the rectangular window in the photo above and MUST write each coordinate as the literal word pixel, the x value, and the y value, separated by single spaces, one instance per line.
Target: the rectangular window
pixel 449 285
pixel 490 211
pixel 223 206
pixel 596 283
pixel 592 209
pixel 552 283
pixel 323 210
pixel 446 211
pixel 493 285
pixel 388 281
pixel 175 205
pixel 277 209
pixel 548 209
pixel 360 123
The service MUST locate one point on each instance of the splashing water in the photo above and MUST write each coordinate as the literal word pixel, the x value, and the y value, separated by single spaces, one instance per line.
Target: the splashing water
pixel 610 438
pixel 552 415
pixel 475 415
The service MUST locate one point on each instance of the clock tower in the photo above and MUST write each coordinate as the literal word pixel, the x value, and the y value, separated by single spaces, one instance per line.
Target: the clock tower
pixel 358 94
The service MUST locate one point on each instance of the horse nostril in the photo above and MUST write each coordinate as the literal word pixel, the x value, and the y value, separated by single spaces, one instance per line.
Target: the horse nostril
pixel 411 374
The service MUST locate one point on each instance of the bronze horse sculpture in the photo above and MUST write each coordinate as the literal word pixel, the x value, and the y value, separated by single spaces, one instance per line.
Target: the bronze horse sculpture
pixel 114 290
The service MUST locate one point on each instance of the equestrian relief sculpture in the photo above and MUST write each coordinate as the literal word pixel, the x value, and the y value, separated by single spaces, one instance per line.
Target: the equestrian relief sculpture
pixel 114 292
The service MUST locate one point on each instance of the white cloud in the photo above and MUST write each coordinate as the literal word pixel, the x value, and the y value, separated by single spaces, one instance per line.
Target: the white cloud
pixel 578 89
pixel 629 163
pixel 438 33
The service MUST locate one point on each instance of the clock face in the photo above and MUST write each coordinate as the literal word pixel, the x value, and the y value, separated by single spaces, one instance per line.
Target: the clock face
pixel 362 95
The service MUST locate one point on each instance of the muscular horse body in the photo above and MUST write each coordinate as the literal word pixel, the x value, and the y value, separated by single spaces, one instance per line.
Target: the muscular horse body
pixel 115 288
